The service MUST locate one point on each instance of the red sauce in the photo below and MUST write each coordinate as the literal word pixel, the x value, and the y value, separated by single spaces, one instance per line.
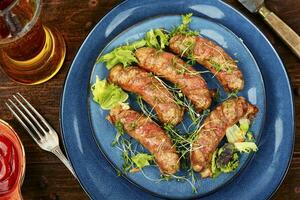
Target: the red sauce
pixel 11 158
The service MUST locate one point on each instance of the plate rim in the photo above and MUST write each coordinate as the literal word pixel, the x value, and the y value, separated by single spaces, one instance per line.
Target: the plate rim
pixel 292 97
pixel 286 76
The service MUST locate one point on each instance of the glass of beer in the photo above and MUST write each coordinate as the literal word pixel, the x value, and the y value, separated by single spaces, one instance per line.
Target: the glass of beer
pixel 30 52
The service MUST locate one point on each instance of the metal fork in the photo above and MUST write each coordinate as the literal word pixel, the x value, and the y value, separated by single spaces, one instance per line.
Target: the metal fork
pixel 38 128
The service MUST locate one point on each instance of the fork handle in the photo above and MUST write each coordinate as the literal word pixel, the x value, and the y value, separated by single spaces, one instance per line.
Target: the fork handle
pixel 57 151
pixel 290 37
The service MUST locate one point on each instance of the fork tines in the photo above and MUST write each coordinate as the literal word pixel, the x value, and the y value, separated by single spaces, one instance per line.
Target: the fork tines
pixel 28 116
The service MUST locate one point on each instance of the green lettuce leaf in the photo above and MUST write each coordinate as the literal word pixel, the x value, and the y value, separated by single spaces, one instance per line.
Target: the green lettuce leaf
pixel 142 160
pixel 227 160
pixel 157 39
pixel 246 147
pixel 122 55
pixel 107 95
pixel 244 124
pixel 224 160
pixel 214 169
pixel 250 137
pixel 235 134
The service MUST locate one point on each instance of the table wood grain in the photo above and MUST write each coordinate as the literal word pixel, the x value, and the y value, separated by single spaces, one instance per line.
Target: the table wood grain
pixel 46 178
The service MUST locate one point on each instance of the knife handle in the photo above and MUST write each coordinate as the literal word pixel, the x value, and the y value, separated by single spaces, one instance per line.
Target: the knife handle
pixel 290 37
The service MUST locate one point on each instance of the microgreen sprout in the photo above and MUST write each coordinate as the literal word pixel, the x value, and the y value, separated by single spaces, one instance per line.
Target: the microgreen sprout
pixel 184 28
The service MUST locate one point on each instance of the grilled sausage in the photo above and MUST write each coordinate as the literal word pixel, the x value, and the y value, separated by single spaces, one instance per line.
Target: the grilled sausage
pixel 214 128
pixel 150 135
pixel 138 81
pixel 211 56
pixel 175 70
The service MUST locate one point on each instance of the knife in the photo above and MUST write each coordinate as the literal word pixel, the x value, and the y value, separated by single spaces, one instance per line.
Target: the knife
pixel 290 37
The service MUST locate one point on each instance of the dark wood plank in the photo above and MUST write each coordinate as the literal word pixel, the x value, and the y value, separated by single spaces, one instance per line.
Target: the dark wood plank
pixel 46 178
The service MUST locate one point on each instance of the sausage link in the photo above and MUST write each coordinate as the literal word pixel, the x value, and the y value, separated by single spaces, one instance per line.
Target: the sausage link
pixel 138 81
pixel 214 128
pixel 175 70
pixel 211 56
pixel 150 135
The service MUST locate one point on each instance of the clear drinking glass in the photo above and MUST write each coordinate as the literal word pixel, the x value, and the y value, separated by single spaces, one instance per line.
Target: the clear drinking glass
pixel 30 52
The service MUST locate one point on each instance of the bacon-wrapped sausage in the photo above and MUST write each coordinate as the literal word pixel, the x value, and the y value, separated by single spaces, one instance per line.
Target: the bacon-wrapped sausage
pixel 150 135
pixel 175 70
pixel 211 56
pixel 222 117
pixel 138 81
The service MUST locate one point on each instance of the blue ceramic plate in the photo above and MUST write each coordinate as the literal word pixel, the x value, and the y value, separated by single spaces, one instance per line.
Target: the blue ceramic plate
pixel 254 91
pixel 263 173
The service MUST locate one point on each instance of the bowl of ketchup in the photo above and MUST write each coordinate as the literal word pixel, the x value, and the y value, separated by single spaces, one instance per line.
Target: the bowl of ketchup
pixel 12 163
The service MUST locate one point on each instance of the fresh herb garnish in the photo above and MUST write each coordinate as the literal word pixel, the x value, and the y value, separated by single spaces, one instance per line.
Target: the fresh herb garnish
pixel 157 39
pixel 235 134
pixel 107 95
pixel 122 55
pixel 188 51
pixel 221 65
pixel 249 137
pixel 216 65
pixel 233 94
pixel 217 97
pixel 120 132
pixel 127 152
pixel 125 54
pixel 183 68
pixel 245 147
pixel 145 110
pixel 225 159
pixel 184 27
pixel 142 160
pixel 214 169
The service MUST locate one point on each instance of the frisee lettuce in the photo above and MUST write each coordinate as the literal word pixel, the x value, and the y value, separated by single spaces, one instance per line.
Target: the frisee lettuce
pixel 214 169
pixel 235 134
pixel 122 55
pixel 249 137
pixel 107 95
pixel 142 160
pixel 224 160
pixel 245 147
pixel 125 54
pixel 157 39
pixel 184 28
pixel 244 124
pixel 227 160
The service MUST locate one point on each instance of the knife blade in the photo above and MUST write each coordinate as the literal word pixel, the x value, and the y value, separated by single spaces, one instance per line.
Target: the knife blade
pixel 252 5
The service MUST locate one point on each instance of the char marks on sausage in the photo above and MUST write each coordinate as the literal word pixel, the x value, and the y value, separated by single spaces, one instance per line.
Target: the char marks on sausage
pixel 211 56
pixel 150 135
pixel 140 82
pixel 214 128
pixel 175 70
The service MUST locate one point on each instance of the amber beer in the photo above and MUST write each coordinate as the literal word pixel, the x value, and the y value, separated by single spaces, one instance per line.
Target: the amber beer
pixel 34 53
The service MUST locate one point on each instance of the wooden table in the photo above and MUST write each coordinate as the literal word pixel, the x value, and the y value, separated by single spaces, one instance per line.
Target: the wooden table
pixel 46 177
